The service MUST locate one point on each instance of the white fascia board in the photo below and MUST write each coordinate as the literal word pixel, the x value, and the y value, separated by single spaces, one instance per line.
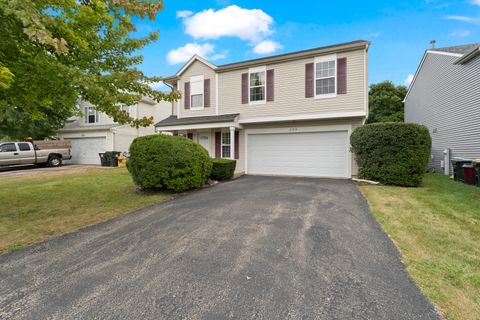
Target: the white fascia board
pixel 299 117
pixel 200 126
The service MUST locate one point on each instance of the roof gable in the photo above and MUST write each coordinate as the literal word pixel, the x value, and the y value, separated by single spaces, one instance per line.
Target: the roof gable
pixel 191 61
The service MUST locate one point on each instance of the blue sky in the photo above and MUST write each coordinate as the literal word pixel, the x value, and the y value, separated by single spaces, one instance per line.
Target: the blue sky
pixel 226 31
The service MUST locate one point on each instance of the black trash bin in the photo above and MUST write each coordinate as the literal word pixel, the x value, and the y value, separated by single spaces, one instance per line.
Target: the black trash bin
pixel 476 164
pixel 112 158
pixel 103 159
pixel 457 164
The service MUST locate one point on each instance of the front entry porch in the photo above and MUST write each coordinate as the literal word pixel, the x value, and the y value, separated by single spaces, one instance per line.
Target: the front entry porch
pixel 219 135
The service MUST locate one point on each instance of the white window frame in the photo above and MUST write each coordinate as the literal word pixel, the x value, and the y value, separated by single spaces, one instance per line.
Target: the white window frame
pixel 87 111
pixel 255 70
pixel 223 144
pixel 195 79
pixel 332 57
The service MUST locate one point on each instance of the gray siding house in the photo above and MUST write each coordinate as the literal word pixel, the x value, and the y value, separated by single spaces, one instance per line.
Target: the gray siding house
pixel 445 96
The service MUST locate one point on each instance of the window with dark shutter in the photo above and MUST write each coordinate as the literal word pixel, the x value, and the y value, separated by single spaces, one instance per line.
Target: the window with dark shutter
pixel 218 144
pixel 186 95
pixel 309 80
pixel 270 85
pixel 206 93
pixel 342 76
pixel 244 88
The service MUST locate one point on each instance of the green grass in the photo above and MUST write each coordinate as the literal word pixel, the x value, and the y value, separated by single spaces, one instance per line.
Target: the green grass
pixel 437 229
pixel 35 208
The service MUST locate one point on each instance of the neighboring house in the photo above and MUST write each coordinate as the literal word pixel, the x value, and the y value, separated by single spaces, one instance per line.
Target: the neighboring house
pixel 289 114
pixel 445 97
pixel 95 132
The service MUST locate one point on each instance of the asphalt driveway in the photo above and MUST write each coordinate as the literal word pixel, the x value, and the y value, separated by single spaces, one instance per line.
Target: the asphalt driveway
pixel 253 248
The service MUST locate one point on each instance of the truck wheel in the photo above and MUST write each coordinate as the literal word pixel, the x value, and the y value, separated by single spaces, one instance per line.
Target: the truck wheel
pixel 54 161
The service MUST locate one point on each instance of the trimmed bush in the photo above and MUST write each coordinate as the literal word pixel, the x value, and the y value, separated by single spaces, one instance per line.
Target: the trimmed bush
pixel 223 169
pixel 392 153
pixel 168 163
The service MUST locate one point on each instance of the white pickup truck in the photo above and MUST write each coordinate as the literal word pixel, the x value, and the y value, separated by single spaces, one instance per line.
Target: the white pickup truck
pixel 50 153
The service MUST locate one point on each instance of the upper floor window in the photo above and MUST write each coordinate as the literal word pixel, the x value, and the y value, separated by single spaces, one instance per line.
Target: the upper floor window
pixel 257 87
pixel 196 92
pixel 325 76
pixel 91 115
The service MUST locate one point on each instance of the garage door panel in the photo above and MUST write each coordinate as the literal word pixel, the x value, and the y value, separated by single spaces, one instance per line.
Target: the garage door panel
pixel 317 154
pixel 86 150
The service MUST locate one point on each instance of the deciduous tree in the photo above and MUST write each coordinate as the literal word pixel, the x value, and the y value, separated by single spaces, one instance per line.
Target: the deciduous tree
pixel 54 52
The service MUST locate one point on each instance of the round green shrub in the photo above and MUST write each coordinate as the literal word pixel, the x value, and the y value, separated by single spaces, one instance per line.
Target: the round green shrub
pixel 168 163
pixel 392 153
pixel 223 169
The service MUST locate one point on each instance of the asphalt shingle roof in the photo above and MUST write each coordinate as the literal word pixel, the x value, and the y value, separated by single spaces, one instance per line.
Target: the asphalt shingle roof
pixel 466 48
pixel 174 121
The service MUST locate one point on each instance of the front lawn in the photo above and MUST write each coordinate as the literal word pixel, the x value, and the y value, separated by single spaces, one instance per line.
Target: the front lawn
pixel 35 208
pixel 437 229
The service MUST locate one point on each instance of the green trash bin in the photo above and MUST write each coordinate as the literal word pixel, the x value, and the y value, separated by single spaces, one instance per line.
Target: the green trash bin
pixel 103 159
pixel 457 164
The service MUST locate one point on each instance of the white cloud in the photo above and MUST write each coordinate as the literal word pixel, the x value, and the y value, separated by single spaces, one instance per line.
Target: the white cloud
pixel 460 33
pixel 464 19
pixel 408 80
pixel 267 46
pixel 184 13
pixel 247 24
pixel 183 54
pixel 475 2
pixel 219 56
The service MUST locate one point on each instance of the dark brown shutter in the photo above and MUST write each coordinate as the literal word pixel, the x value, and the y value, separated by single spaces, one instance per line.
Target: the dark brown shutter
pixel 206 93
pixel 270 85
pixel 237 145
pixel 244 88
pixel 342 76
pixel 190 135
pixel 186 95
pixel 218 144
pixel 309 81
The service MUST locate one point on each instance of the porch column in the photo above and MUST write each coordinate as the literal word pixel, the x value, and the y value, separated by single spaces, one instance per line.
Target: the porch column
pixel 232 143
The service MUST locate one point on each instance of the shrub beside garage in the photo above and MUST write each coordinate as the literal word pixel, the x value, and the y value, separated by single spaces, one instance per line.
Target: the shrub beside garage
pixel 223 169
pixel 168 163
pixel 392 153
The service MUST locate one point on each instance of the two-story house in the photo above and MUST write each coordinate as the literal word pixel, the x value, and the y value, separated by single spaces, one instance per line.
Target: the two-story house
pixel 445 96
pixel 95 132
pixel 289 114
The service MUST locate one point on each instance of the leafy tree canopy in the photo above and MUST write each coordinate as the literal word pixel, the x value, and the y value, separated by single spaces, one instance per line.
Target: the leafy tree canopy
pixel 54 52
pixel 386 102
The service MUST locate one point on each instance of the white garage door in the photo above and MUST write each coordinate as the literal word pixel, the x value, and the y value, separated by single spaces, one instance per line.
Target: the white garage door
pixel 86 150
pixel 313 154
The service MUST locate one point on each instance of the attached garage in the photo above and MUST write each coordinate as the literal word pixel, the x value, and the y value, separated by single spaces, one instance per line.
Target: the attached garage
pixel 86 150
pixel 309 154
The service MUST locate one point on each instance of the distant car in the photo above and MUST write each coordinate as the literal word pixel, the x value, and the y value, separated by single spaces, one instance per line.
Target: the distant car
pixel 50 153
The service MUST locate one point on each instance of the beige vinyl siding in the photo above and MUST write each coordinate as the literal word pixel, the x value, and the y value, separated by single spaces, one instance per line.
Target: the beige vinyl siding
pixel 197 68
pixel 290 90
